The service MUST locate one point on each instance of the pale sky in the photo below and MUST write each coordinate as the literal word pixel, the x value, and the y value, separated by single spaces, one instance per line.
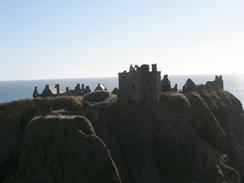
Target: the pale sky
pixel 48 39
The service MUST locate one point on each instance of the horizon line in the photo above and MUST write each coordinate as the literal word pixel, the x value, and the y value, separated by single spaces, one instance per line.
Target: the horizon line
pixel 104 77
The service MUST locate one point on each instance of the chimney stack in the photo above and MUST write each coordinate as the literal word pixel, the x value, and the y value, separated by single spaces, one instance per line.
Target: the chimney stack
pixel 67 90
pixel 58 88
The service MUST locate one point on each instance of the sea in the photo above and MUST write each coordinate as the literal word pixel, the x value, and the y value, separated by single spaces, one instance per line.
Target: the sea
pixel 16 90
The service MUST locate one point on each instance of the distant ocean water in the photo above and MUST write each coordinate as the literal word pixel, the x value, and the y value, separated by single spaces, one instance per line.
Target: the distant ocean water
pixel 15 90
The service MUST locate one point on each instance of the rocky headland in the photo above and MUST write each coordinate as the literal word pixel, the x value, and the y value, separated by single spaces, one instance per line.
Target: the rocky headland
pixel 192 136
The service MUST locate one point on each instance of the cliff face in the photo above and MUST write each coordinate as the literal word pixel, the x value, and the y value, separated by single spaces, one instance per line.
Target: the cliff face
pixel 64 149
pixel 51 147
pixel 189 137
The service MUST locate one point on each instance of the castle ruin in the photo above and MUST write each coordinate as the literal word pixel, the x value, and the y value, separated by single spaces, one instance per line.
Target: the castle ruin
pixel 215 85
pixel 140 84
pixel 54 90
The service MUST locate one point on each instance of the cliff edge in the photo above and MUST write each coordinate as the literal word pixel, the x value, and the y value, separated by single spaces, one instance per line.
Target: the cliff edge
pixel 194 136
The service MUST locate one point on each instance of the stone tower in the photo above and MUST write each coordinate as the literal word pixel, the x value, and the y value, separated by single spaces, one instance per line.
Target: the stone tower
pixel 140 84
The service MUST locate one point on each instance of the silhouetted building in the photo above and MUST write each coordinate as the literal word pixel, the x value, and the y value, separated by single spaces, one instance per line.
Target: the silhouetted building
pixel 54 90
pixel 165 86
pixel 35 93
pixel 50 90
pixel 140 84
pixel 87 90
pixel 189 85
pixel 78 88
pixel 216 85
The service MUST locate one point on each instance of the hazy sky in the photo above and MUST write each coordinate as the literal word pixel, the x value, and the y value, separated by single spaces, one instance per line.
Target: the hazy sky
pixel 88 38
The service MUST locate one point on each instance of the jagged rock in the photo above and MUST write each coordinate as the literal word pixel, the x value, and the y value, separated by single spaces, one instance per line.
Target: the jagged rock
pixel 64 149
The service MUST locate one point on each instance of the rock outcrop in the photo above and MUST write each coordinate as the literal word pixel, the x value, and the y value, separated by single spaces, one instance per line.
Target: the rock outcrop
pixel 64 149
pixel 51 148
pixel 195 136
pixel 183 139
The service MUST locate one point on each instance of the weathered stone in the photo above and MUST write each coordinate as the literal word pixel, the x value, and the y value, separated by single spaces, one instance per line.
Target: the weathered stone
pixel 140 85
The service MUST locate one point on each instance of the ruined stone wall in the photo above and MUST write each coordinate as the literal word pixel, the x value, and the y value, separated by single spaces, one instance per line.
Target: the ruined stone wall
pixel 130 86
pixel 217 84
pixel 151 87
pixel 140 86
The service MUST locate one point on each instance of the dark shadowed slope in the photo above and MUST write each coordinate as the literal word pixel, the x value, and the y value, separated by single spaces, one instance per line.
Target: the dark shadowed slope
pixel 182 139
pixel 188 137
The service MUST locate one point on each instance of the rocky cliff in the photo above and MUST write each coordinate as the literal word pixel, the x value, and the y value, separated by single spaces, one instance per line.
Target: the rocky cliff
pixel 187 137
